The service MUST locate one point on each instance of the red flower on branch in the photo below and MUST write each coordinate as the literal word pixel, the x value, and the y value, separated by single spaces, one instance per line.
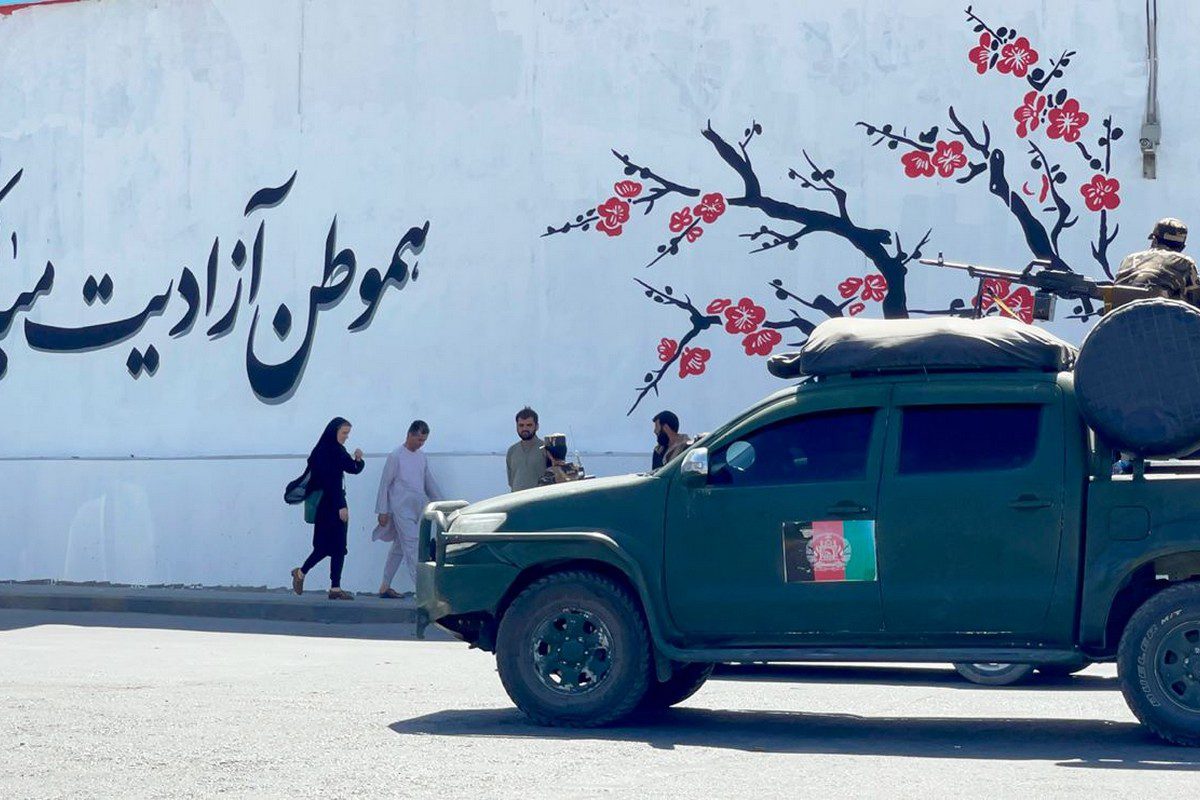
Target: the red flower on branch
pixel 1101 193
pixel 693 361
pixel 1029 114
pixel 681 219
pixel 1066 121
pixel 875 287
pixel 1017 304
pixel 918 164
pixel 718 305
pixel 694 233
pixel 745 317
pixel 667 349
pixel 849 287
pixel 761 343
pixel 979 55
pixel 710 207
pixel 1017 57
pixel 948 158
pixel 613 213
pixel 627 189
pixel 856 309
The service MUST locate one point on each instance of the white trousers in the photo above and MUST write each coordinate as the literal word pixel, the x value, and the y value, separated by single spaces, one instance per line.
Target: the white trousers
pixel 404 548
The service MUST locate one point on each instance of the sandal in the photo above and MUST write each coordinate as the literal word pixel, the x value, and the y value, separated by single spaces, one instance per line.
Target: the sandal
pixel 390 594
pixel 297 581
pixel 339 594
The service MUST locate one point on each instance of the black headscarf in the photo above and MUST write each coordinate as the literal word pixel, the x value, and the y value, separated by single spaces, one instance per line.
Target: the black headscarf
pixel 327 445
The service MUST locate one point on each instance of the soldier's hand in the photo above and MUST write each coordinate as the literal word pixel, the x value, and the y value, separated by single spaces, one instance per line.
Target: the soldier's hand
pixel 344 515
pixel 358 455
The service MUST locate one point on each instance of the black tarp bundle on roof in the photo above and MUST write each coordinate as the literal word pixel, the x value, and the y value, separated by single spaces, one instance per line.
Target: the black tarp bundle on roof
pixel 845 345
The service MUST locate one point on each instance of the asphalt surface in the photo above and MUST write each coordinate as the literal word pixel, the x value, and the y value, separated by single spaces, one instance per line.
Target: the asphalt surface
pixel 134 705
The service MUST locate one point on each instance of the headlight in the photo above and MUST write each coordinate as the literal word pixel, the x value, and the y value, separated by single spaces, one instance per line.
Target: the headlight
pixel 477 523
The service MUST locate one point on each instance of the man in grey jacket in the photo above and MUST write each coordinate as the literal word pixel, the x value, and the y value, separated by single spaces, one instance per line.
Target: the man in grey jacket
pixel 526 460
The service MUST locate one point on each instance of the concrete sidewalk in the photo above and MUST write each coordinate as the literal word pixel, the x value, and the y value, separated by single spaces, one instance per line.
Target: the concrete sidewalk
pixel 227 603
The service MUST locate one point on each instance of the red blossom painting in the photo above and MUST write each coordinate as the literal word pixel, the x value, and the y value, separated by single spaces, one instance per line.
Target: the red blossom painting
pixel 761 343
pixel 1029 114
pixel 693 361
pixel 627 189
pixel 1101 193
pixel 1066 121
pixel 745 317
pixel 1044 159
pixel 1017 57
pixel 614 213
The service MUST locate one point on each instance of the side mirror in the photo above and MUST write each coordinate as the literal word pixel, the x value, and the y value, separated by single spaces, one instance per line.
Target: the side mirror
pixel 694 469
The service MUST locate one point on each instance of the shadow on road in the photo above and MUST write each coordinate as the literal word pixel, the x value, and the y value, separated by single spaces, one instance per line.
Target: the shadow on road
pixel 1070 743
pixel 901 676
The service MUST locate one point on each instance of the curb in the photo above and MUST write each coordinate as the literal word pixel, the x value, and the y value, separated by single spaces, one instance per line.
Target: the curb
pixel 218 603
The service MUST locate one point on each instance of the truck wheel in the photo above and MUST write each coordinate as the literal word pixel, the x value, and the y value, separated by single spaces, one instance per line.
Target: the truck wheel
pixel 1158 664
pixel 573 650
pixel 994 674
pixel 684 682
pixel 1064 670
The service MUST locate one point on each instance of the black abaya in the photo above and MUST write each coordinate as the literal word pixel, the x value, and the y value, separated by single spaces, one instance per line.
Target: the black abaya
pixel 328 464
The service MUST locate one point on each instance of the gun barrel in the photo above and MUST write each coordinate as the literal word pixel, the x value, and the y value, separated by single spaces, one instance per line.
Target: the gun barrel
pixel 976 271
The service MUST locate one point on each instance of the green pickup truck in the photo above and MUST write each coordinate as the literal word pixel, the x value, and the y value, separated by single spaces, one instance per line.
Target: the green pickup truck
pixel 958 512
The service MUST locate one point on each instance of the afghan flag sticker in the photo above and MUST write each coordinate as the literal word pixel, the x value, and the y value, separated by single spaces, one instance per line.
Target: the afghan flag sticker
pixel 829 550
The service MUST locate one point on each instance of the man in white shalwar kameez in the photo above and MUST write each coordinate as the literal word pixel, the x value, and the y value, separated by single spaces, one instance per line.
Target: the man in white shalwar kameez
pixel 404 490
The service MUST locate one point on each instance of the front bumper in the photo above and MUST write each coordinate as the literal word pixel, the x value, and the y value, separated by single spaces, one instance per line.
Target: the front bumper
pixel 449 592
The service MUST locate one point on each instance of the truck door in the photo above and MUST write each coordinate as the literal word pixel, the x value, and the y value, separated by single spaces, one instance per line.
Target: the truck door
pixel 971 509
pixel 778 545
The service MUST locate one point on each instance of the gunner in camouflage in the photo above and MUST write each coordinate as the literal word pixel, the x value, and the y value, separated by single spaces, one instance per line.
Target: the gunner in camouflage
pixel 1163 267
pixel 558 469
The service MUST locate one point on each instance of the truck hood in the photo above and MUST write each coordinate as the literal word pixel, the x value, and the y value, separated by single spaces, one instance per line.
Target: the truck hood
pixel 591 504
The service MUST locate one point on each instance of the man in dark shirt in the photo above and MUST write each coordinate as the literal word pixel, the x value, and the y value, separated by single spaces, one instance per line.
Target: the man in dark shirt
pixel 670 441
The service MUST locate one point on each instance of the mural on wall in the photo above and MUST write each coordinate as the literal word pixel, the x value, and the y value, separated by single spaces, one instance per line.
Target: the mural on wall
pixel 1058 138
pixel 270 382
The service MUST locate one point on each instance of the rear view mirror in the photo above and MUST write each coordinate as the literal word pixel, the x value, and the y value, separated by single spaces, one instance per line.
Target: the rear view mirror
pixel 694 469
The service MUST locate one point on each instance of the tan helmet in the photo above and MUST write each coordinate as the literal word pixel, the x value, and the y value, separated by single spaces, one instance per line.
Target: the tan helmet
pixel 1170 233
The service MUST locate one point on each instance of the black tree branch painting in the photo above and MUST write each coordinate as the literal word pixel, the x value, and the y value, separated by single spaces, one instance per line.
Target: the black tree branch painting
pixel 1031 184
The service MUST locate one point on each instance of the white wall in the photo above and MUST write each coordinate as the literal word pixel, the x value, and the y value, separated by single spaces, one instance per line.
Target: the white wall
pixel 142 129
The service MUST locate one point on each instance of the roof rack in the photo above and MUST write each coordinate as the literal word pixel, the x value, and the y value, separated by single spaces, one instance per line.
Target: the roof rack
pixel 846 346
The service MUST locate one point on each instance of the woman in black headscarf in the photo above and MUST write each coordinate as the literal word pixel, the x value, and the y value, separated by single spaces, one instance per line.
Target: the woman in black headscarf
pixel 327 466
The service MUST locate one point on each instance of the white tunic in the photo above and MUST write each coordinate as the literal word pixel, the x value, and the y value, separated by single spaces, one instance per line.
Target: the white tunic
pixel 404 489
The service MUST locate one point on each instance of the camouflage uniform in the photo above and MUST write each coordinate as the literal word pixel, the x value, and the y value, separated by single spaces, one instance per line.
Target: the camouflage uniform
pixel 1163 267
pixel 560 473
pixel 1159 268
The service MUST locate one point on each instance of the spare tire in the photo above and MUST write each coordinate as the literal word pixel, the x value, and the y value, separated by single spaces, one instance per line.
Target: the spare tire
pixel 1137 378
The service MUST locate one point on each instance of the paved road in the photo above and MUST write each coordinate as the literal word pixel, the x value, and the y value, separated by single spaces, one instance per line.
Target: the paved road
pixel 113 706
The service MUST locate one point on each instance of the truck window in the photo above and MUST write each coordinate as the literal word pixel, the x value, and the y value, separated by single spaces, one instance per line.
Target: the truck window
pixel 967 437
pixel 829 446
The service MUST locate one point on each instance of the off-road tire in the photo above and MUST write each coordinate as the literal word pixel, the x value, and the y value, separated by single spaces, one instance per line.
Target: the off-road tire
pixel 1064 670
pixel 604 600
pixel 995 675
pixel 1137 667
pixel 685 681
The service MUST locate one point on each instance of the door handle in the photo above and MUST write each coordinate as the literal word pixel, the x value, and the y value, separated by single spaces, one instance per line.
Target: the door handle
pixel 1029 501
pixel 846 508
